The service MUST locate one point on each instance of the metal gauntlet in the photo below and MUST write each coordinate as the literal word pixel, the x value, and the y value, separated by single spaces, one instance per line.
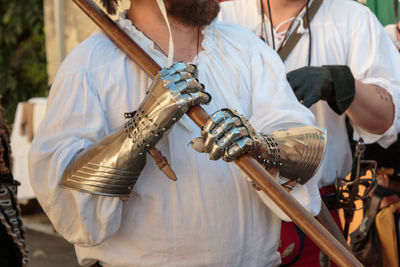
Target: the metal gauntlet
pixel 296 152
pixel 112 166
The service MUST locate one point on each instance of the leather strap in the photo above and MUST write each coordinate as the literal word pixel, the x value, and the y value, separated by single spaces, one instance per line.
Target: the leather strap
pixel 294 38
pixel 387 201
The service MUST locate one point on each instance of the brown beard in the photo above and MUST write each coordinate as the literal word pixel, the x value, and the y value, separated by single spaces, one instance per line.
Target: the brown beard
pixel 196 13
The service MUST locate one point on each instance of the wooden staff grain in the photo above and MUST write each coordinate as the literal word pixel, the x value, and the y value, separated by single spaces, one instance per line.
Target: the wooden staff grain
pixel 314 230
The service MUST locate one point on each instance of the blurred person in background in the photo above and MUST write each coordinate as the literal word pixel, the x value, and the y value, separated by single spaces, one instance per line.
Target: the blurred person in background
pixel 379 232
pixel 340 63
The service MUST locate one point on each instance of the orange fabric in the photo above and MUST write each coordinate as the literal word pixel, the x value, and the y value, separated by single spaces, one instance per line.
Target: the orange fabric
pixel 385 226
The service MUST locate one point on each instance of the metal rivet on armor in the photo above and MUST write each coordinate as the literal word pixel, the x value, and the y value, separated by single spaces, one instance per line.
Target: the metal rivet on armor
pixel 164 129
pixel 140 153
pixel 174 119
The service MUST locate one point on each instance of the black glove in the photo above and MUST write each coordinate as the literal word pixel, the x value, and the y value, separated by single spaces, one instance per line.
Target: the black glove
pixel 334 84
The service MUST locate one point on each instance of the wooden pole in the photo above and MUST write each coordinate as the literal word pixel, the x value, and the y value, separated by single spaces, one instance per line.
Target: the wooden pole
pixel 314 230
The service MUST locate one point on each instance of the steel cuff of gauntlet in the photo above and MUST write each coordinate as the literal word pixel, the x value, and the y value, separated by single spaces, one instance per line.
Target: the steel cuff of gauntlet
pixel 296 152
pixel 110 167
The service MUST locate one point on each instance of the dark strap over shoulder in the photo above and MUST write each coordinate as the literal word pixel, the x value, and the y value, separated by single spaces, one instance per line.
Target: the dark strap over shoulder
pixel 294 38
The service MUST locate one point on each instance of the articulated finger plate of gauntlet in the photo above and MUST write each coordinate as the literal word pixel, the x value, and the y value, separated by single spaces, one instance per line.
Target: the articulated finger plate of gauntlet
pixel 225 135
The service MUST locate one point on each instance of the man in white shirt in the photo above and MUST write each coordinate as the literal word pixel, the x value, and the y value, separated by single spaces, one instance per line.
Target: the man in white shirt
pixel 211 216
pixel 351 65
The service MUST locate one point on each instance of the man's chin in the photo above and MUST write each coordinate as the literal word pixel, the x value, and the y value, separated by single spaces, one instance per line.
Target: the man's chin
pixel 196 13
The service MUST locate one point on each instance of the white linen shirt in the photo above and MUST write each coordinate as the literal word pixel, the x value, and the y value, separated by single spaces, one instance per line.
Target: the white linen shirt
pixel 210 216
pixel 343 33
pixel 391 30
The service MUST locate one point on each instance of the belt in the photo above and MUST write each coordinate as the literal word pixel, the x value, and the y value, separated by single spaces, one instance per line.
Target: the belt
pixel 389 194
pixel 387 201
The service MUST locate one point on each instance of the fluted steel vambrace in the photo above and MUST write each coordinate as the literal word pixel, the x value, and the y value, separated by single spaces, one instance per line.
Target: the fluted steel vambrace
pixel 110 167
pixel 296 152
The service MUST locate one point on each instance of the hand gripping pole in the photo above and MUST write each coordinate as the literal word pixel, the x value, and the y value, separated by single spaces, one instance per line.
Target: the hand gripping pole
pixel 314 230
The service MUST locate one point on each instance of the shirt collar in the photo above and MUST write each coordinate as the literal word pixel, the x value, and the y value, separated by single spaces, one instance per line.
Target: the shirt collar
pixel 210 38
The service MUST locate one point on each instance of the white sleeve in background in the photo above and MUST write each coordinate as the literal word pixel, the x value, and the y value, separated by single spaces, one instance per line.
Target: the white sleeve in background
pixel 374 59
pixel 391 30
pixel 241 12
pixel 74 120
pixel 269 82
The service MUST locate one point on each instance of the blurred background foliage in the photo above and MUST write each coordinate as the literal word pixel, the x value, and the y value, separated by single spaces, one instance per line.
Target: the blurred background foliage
pixel 23 72
pixel 383 9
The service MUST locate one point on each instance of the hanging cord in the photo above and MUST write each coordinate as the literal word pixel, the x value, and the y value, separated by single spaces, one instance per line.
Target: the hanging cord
pixel 263 29
pixel 309 34
pixel 272 26
pixel 198 41
pixel 165 53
